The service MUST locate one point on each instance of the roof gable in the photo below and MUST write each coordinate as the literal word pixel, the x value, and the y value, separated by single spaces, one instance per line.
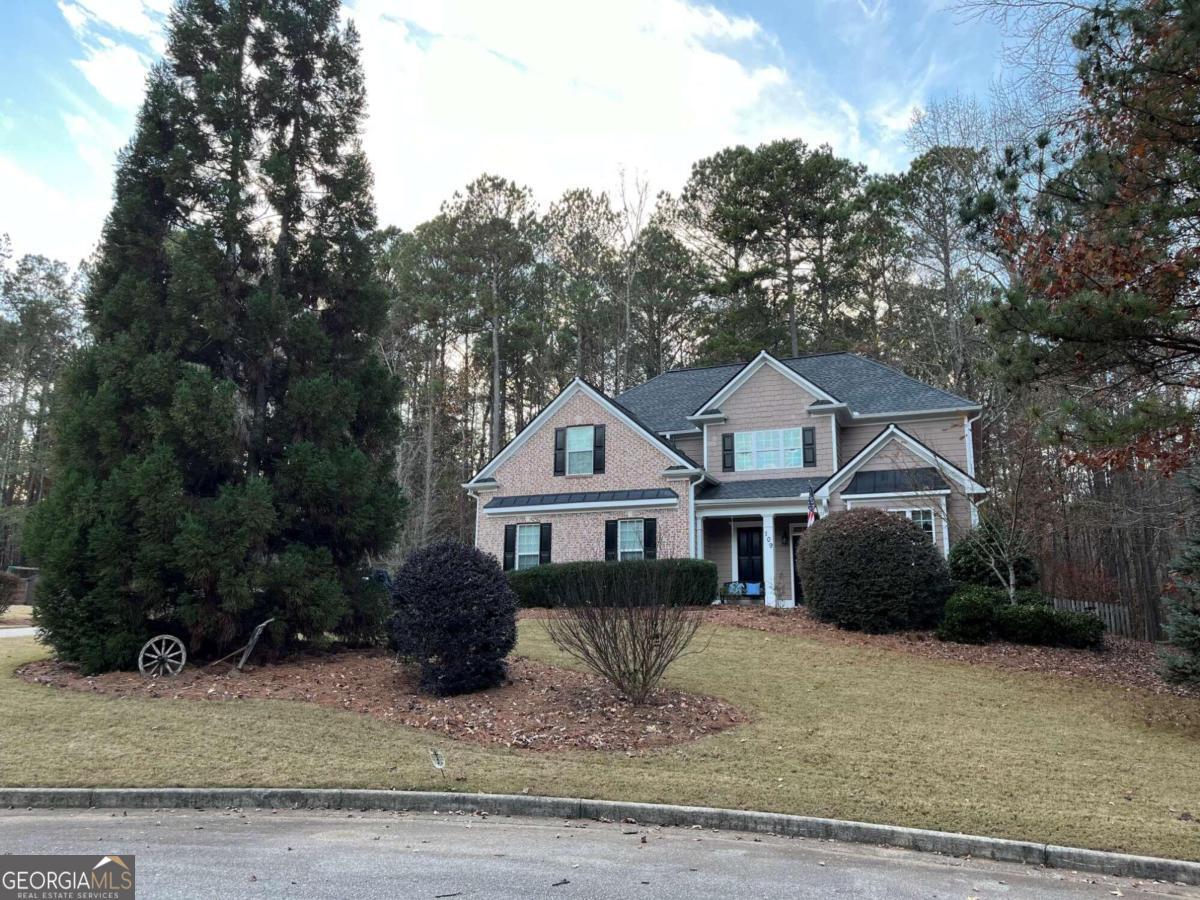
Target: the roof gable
pixel 891 433
pixel 742 378
pixel 578 386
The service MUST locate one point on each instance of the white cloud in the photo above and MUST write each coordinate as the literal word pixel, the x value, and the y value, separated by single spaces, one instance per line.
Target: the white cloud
pixel 116 71
pixel 43 218
pixel 563 95
pixel 554 95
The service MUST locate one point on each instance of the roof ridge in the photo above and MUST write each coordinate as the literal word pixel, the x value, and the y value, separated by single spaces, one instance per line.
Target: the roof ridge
pixel 748 361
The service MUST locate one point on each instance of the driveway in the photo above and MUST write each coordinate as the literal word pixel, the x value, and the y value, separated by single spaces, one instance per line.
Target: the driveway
pixel 305 854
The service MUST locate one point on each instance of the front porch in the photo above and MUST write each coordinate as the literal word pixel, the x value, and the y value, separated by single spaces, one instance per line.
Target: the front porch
pixel 755 549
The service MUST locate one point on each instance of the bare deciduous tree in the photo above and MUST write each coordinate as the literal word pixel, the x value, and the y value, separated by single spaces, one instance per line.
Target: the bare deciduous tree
pixel 615 622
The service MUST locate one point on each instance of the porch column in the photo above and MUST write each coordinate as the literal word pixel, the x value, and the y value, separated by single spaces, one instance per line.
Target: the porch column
pixel 768 545
pixel 699 537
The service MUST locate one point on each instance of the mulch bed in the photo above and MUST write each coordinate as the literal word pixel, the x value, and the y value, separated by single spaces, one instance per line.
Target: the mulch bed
pixel 541 707
pixel 1124 662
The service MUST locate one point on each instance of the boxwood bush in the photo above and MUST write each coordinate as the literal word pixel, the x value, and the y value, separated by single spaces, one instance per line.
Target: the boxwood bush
pixel 1035 623
pixel 455 615
pixel 874 571
pixel 970 614
pixel 976 615
pixel 686 582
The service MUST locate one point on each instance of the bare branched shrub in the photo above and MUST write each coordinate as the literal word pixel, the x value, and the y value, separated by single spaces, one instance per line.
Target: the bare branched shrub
pixel 618 626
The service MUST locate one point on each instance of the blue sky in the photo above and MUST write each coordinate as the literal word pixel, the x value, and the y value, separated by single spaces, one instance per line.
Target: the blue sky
pixel 552 94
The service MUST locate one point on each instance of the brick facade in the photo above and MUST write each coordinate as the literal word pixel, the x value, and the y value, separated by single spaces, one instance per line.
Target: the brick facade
pixel 632 461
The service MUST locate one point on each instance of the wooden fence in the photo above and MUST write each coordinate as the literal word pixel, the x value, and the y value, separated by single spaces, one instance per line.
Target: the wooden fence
pixel 1115 616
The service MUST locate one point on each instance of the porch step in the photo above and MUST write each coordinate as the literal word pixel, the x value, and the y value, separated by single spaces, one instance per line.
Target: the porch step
pixel 743 600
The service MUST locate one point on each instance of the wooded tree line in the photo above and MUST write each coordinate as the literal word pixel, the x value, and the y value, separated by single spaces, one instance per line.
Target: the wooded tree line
pixel 499 302
pixel 1037 255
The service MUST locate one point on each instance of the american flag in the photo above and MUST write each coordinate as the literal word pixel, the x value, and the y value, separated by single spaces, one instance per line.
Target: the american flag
pixel 812 509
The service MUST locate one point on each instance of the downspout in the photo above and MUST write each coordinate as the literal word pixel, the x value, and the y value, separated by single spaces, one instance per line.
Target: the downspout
pixel 969 437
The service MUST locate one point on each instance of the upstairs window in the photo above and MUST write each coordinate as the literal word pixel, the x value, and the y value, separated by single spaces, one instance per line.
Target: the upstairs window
pixel 580 443
pixel 784 448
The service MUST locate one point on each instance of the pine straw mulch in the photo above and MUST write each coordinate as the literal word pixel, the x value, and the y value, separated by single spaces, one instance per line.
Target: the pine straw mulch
pixel 540 707
pixel 1124 662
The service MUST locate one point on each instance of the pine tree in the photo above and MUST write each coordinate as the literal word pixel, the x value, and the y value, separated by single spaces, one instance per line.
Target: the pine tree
pixel 226 443
pixel 1183 613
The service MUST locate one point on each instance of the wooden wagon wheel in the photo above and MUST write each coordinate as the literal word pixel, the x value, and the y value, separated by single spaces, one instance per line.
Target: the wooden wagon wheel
pixel 163 654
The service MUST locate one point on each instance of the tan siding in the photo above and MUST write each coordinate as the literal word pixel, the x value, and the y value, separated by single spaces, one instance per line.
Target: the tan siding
pixel 691 445
pixel 631 462
pixel 768 399
pixel 718 547
pixel 945 436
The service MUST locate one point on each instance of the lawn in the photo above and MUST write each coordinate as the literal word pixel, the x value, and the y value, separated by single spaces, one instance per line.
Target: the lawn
pixel 843 731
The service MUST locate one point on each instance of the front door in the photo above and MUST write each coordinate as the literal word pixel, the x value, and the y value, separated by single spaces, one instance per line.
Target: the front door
pixel 749 555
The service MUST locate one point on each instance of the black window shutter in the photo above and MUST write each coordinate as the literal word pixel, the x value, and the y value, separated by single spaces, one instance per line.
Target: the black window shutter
pixel 544 548
pixel 510 546
pixel 560 451
pixel 809 438
pixel 598 450
pixel 727 452
pixel 610 540
pixel 650 538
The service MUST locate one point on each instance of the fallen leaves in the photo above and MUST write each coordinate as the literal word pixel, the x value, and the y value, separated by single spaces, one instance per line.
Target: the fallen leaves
pixel 541 707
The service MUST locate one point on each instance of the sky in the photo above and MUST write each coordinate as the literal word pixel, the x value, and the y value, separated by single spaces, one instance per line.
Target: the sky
pixel 549 93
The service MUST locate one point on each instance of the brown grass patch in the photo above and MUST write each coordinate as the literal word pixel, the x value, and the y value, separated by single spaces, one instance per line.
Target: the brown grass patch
pixel 1123 663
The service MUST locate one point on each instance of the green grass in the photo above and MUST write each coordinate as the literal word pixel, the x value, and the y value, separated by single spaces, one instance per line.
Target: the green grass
pixel 837 731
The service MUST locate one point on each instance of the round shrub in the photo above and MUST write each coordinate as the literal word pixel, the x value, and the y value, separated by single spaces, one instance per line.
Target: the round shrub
pixel 455 615
pixel 969 615
pixel 874 571
pixel 968 565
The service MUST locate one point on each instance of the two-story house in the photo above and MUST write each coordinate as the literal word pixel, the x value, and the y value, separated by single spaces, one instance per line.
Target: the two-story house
pixel 725 463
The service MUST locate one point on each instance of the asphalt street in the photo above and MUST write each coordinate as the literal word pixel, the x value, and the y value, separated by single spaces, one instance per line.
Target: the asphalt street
pixel 303 854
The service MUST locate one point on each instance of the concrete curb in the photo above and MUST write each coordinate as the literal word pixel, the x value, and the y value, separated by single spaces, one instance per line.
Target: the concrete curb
pixel 948 843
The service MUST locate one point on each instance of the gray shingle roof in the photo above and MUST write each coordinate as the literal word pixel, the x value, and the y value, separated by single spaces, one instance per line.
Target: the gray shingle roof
pixel 893 481
pixel 665 402
pixel 761 489
pixel 866 387
pixel 581 497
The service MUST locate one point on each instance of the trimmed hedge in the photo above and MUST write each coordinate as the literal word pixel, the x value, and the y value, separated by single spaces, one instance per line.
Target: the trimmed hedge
pixel 689 582
pixel 1046 626
pixel 978 614
pixel 969 616
pixel 874 571
pixel 456 616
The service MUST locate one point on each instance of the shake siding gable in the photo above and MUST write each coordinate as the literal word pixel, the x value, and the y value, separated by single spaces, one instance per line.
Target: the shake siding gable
pixel 944 436
pixel 632 461
pixel 769 400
